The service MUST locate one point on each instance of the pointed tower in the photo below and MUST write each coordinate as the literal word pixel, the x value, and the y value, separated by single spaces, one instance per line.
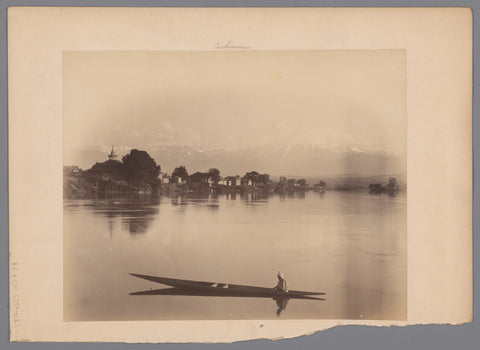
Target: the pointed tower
pixel 112 155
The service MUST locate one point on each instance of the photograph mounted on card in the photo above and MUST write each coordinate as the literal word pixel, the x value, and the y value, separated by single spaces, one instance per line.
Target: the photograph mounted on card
pixel 253 179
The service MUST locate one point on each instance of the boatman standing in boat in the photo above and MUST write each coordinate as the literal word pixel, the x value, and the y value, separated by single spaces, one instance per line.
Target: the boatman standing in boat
pixel 281 287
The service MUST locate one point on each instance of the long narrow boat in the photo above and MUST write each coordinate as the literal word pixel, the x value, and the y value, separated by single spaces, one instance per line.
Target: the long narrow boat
pixel 219 292
pixel 183 287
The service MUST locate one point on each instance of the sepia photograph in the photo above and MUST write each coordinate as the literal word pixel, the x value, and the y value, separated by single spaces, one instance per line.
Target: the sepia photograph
pixel 234 185
pixel 213 175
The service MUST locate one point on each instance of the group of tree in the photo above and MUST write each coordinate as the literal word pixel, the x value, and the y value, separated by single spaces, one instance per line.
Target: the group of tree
pixel 197 177
pixel 255 179
pixel 291 185
pixel 321 186
pixel 391 187
pixel 137 168
pixel 180 172
pixel 140 168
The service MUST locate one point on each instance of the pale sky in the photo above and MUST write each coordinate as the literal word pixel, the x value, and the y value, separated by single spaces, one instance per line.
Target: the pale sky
pixel 235 99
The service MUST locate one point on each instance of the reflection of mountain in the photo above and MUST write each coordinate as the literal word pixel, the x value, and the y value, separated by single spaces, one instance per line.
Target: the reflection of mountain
pixel 136 213
pixel 279 159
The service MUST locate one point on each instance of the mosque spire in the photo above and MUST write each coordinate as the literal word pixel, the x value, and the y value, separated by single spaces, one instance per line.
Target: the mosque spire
pixel 112 155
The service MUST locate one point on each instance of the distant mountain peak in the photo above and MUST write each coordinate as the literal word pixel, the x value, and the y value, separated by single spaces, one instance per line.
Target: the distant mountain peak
pixel 275 159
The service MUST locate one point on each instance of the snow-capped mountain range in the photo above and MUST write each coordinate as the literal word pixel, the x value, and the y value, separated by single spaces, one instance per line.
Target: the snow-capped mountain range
pixel 274 159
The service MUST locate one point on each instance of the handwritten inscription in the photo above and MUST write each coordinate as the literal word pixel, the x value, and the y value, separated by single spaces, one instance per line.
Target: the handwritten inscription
pixel 229 45
pixel 15 302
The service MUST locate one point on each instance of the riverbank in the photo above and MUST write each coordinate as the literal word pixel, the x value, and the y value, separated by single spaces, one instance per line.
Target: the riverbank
pixel 80 186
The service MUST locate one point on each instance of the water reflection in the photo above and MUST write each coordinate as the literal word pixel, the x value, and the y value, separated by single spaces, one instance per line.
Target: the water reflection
pixel 290 195
pixel 193 198
pixel 255 196
pixel 137 225
pixel 136 212
pixel 211 200
pixel 390 193
pixel 351 245
pixel 184 200
pixel 179 200
pixel 213 207
pixel 231 196
pixel 281 304
pixel 280 300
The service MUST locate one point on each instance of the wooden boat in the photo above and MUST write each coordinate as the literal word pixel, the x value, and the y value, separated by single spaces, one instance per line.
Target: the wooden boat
pixel 219 292
pixel 199 288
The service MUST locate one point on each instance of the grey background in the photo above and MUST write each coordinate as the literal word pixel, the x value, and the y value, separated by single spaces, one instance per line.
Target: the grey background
pixel 347 337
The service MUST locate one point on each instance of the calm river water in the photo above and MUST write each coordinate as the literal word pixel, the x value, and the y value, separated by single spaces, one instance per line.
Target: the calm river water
pixel 351 245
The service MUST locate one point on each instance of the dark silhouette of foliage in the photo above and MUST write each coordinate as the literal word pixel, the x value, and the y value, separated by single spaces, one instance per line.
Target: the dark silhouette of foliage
pixel 263 179
pixel 140 168
pixel 256 178
pixel 112 168
pixel 197 177
pixel 214 173
pixel 302 182
pixel 392 184
pixel 391 188
pixel 181 172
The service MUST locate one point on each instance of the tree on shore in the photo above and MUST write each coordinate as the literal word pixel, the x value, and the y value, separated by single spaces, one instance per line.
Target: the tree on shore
pixel 181 172
pixel 197 177
pixel 392 184
pixel 391 187
pixel 264 179
pixel 140 168
pixel 214 173
pixel 251 176
pixel 113 168
pixel 302 183
pixel 256 179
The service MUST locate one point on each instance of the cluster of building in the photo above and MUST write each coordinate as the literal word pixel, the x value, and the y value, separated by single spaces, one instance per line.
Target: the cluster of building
pixel 206 178
pixel 111 171
pixel 111 175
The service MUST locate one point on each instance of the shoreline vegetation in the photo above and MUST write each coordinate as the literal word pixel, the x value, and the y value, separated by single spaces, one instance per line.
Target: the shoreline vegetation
pixel 138 173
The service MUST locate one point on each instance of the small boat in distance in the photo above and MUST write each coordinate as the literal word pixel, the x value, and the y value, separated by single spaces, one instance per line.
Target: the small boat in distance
pixel 200 288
